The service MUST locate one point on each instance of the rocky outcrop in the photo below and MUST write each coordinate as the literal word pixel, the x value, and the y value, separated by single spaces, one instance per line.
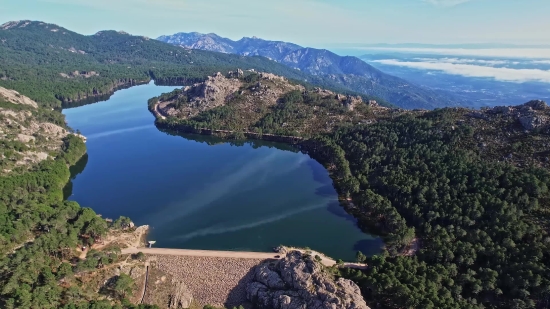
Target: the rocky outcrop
pixel 297 281
pixel 531 115
pixel 181 297
pixel 532 121
pixel 351 102
pixel 83 74
pixel 219 89
pixel 16 98
pixel 537 105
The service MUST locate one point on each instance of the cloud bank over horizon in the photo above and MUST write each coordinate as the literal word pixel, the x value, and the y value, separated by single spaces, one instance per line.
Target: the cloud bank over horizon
pixel 478 68
pixel 520 52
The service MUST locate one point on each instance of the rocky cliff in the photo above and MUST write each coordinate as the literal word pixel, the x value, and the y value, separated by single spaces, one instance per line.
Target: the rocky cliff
pixel 299 282
pixel 28 133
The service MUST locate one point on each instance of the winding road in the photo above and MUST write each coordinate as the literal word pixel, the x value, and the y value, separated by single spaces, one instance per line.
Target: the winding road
pixel 157 111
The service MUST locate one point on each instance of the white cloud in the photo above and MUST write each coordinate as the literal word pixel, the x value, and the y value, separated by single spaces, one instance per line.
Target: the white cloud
pixel 543 53
pixel 468 61
pixel 446 2
pixel 541 61
pixel 470 70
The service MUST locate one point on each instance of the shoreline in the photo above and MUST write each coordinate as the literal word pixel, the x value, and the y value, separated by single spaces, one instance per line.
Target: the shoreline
pixel 309 146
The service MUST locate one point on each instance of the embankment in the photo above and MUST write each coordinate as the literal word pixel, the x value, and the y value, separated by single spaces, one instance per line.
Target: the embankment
pixel 216 281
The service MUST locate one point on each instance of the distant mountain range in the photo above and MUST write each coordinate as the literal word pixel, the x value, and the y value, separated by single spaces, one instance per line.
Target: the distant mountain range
pixel 350 72
pixel 61 68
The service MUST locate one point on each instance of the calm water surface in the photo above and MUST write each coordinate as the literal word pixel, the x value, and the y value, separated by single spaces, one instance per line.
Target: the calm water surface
pixel 200 193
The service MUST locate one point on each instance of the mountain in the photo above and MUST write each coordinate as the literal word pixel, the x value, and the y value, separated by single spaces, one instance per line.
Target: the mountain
pixel 58 67
pixel 349 72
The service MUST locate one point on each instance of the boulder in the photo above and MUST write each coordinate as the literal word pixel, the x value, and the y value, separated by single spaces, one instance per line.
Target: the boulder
pixel 536 104
pixel 299 282
pixel 532 121
pixel 351 102
pixel 501 109
pixel 181 297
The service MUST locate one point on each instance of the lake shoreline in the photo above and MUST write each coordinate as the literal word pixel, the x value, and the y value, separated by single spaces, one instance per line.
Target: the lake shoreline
pixel 305 146
pixel 111 123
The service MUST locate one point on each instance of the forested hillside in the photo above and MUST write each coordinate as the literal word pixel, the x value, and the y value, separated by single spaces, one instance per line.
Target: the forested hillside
pixel 40 231
pixel 459 196
pixel 52 65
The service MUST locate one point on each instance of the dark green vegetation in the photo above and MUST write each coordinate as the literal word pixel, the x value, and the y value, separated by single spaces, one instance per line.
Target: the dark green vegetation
pixel 439 177
pixel 39 230
pixel 480 244
pixel 44 230
pixel 470 189
pixel 39 61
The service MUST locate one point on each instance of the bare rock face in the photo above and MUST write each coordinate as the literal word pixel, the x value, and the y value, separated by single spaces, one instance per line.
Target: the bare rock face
pixel 530 115
pixel 215 89
pixel 299 282
pixel 16 98
pixel 532 121
pixel 182 297
pixel 351 102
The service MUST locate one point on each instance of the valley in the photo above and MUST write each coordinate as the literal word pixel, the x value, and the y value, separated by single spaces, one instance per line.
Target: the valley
pixel 447 208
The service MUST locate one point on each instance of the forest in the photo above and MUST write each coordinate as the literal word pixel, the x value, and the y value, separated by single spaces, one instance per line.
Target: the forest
pixel 40 230
pixel 424 179
pixel 481 245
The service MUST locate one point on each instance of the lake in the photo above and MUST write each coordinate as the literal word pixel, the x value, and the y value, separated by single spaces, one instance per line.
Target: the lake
pixel 198 192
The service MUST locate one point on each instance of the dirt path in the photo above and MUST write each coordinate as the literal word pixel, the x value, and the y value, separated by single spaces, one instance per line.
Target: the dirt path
pixel 144 289
pixel 229 254
pixel 157 111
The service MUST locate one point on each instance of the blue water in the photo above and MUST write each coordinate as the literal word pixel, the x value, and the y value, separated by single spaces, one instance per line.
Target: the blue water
pixel 200 193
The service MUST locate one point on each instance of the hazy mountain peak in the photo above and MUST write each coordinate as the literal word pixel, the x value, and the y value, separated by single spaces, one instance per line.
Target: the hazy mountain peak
pixel 24 23
pixel 350 72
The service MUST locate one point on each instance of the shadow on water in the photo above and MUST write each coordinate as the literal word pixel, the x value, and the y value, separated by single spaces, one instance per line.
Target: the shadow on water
pixel 319 173
pixel 336 209
pixel 369 247
pixel 326 190
pixel 75 170
pixel 214 140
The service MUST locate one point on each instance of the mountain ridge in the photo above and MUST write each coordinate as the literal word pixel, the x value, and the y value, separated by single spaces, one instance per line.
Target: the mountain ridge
pixel 348 71
pixel 33 49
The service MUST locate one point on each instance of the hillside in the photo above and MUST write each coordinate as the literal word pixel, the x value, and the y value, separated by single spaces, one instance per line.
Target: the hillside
pixel 28 134
pixel 41 234
pixel 349 72
pixel 55 66
pixel 261 103
pixel 460 196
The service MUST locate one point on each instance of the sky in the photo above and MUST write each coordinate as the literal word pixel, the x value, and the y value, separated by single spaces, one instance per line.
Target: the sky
pixel 315 23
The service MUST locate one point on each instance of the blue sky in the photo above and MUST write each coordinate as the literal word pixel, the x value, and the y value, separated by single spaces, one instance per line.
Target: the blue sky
pixel 306 22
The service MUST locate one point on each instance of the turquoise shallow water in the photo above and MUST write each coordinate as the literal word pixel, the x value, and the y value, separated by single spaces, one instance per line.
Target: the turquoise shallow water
pixel 201 193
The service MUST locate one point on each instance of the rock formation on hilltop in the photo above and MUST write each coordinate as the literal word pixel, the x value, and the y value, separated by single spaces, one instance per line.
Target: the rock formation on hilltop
pixel 347 71
pixel 299 282
pixel 262 102
pixel 531 115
